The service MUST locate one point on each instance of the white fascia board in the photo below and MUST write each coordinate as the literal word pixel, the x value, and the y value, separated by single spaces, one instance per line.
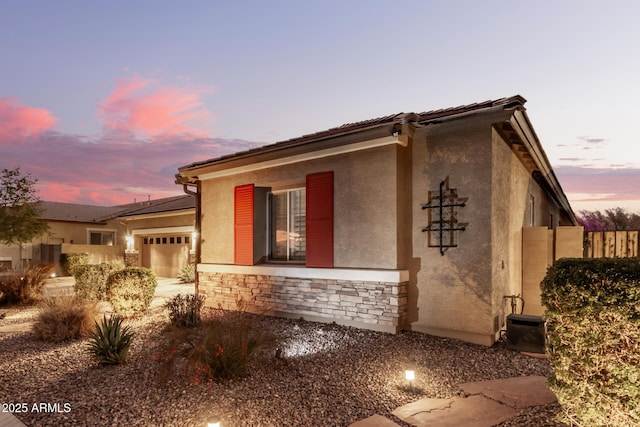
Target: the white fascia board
pixel 402 140
pixel 163 230
pixel 301 272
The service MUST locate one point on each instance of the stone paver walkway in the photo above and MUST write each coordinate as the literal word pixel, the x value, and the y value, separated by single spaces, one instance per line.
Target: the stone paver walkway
pixel 7 419
pixel 491 402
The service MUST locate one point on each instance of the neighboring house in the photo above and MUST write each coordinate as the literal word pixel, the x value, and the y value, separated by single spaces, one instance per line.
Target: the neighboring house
pixel 409 221
pixel 155 234
pixel 162 234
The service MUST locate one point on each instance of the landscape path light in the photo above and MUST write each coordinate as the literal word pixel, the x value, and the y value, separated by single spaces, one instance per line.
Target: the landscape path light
pixel 410 375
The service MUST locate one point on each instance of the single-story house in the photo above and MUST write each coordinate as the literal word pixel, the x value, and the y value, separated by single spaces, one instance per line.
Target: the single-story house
pixel 157 234
pixel 408 221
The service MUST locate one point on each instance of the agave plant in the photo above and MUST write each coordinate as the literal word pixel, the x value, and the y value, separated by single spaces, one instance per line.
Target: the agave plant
pixel 110 342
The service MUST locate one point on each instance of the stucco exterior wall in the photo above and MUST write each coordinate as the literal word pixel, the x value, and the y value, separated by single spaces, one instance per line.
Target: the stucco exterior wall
pixel 366 226
pixel 97 253
pixel 452 293
pixel 513 187
pixel 76 232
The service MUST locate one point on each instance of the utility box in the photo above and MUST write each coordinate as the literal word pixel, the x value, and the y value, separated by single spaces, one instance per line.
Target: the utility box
pixel 526 333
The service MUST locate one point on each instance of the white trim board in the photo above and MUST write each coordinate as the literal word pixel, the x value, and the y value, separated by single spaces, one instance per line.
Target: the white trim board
pixel 402 140
pixel 359 275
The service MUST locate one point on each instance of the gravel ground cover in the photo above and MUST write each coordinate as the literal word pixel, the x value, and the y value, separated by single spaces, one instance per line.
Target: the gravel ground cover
pixel 330 376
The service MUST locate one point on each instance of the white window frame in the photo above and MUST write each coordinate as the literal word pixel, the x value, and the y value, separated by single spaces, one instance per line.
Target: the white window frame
pixel 288 192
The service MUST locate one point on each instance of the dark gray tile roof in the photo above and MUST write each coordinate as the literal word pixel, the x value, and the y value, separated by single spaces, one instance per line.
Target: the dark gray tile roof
pixel 168 204
pixel 423 118
pixel 74 212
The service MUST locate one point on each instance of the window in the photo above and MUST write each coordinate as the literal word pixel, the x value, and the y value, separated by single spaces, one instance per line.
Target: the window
pixel 296 226
pixel 179 240
pixel 172 240
pixel 102 238
pixel 287 227
pixel 531 211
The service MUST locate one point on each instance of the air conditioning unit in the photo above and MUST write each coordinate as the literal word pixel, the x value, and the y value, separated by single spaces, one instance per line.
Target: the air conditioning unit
pixel 526 333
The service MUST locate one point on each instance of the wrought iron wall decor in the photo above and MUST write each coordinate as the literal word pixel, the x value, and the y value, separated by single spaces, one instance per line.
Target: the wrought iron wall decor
pixel 443 217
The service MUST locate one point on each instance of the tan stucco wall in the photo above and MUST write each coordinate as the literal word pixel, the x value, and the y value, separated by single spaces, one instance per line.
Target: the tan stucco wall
pixel 461 294
pixel 365 206
pixel 451 294
pixel 513 186
pixel 76 232
pixel 97 253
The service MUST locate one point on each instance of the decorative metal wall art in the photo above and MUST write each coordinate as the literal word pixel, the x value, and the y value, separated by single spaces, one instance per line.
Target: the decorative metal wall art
pixel 443 217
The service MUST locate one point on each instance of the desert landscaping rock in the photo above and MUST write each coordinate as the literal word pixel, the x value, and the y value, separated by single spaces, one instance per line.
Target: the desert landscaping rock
pixel 375 421
pixel 330 375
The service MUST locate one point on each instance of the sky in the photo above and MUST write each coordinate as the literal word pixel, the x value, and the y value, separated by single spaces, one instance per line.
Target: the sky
pixel 103 101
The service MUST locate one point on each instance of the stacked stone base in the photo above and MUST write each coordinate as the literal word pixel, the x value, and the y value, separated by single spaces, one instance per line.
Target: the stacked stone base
pixel 380 306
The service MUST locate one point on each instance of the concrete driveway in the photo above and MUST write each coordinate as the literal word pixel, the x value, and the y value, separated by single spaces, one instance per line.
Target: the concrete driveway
pixel 167 288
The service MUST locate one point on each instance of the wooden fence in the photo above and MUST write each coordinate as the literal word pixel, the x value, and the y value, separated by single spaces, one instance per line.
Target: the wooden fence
pixel 611 244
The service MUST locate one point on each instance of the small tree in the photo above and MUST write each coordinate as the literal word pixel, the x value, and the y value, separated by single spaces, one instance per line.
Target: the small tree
pixel 20 216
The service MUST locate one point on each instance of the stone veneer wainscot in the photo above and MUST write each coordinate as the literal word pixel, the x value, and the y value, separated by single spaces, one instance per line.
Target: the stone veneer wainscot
pixel 370 299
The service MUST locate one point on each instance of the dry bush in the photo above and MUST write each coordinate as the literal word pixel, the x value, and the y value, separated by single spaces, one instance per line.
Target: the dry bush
pixel 222 346
pixel 24 287
pixel 65 317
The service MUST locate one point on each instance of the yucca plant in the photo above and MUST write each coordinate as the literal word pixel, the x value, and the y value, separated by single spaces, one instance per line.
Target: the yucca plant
pixel 110 341
pixel 187 274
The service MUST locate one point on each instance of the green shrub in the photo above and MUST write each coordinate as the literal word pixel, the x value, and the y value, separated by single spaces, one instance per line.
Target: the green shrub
pixel 91 280
pixel 110 342
pixel 70 261
pixel 187 274
pixel 130 291
pixel 64 317
pixel 184 311
pixel 222 346
pixel 24 287
pixel 593 323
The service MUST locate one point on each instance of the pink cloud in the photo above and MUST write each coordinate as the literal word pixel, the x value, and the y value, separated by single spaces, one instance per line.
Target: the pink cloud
pixel 110 169
pixel 599 187
pixel 149 132
pixel 135 105
pixel 18 121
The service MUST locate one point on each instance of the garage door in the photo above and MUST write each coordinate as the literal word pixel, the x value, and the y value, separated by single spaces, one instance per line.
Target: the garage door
pixel 166 254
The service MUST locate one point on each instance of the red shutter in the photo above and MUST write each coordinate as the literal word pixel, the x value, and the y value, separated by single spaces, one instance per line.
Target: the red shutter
pixel 320 220
pixel 243 224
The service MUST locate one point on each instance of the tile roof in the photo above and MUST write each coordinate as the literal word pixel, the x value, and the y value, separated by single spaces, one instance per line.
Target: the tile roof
pixel 162 205
pixel 422 118
pixel 74 212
